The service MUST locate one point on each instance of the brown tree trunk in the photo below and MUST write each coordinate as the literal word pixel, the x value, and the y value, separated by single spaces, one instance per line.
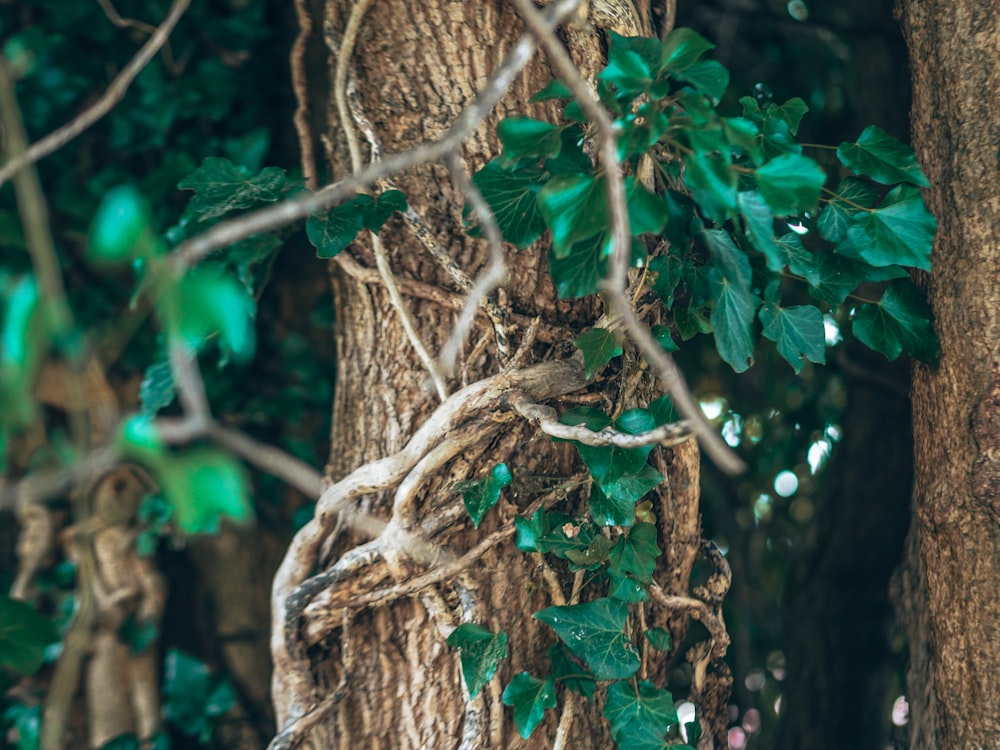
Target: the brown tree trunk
pixel 950 593
pixel 385 672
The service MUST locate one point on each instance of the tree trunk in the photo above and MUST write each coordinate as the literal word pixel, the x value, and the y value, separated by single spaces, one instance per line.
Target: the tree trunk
pixel 949 589
pixel 382 672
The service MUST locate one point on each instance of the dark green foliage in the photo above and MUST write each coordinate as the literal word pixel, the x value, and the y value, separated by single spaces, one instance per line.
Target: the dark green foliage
pixel 24 636
pixel 480 495
pixel 481 652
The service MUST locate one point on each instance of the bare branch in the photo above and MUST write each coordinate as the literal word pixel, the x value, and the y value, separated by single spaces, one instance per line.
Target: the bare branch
pixel 107 101
pixel 699 610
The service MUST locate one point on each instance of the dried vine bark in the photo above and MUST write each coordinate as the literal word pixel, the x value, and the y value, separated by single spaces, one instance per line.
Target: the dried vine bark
pixel 949 588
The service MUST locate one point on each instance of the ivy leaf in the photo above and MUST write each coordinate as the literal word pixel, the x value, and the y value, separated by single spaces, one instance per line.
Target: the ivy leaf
pixel 24 636
pixel 530 531
pixel 192 695
pixel 612 503
pixel 599 346
pixel 555 89
pixel 799 259
pixel 204 485
pixel 580 273
pixel 745 135
pixel 572 675
pixel 682 48
pixel 626 588
pixel 667 269
pixel 835 218
pixel 481 651
pixel 574 208
pixel 835 279
pixel 664 338
pixel 646 212
pixel 900 321
pixel 797 331
pixel 627 73
pixel 878 155
pixel 607 463
pixel 734 304
pixel 512 196
pixel 156 390
pixel 568 537
pixel 648 49
pixel 640 718
pixel 658 638
pixel 208 301
pixel 221 187
pixel 595 632
pixel 479 495
pixel 790 183
pixel 595 553
pixel 900 231
pixel 776 134
pixel 377 212
pixel 530 697
pixel 334 230
pixel 663 411
pixel 708 172
pixel 708 77
pixel 758 224
pixel 122 229
pixel 635 553
pixel 526 137
pixel 790 113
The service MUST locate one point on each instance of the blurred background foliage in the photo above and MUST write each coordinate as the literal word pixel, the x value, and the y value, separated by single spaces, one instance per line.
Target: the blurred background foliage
pixel 812 532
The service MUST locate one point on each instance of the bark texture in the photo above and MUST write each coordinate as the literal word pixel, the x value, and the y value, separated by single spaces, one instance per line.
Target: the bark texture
pixel 954 561
pixel 385 672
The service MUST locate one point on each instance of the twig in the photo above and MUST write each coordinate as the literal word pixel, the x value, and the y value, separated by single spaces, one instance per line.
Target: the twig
pixel 615 283
pixel 107 101
pixel 699 610
pixel 545 418
pixel 300 85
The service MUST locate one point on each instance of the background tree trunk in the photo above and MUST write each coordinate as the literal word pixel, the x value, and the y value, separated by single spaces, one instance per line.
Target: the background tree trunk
pixel 948 589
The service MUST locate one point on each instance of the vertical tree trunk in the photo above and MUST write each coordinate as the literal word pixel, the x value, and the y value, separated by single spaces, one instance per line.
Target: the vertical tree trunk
pixel 387 671
pixel 950 587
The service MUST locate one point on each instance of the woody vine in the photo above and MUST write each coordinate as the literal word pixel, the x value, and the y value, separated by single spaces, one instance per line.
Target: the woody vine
pixel 645 195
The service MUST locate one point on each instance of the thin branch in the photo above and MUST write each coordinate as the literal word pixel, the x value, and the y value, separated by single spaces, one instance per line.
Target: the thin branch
pixel 114 93
pixel 614 285
pixel 546 419
pixel 274 461
pixel 300 86
pixel 699 610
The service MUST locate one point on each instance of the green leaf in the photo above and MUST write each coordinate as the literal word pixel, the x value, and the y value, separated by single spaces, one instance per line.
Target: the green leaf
pixel 612 503
pixel 378 211
pixel 480 495
pixel 575 209
pixel 646 212
pixel 797 331
pixel 835 219
pixel 664 338
pixel 635 553
pixel 139 439
pixel 878 155
pixel 25 723
pixel 512 195
pixel 790 113
pixel 640 718
pixel 481 651
pixel 599 346
pixel 900 321
pixel 24 636
pixel 530 531
pixel 900 231
pixel 835 279
pixel 333 231
pixel 122 742
pixel 191 694
pixel 734 304
pixel 658 638
pixel 595 553
pixel 204 485
pixel 790 183
pixel 221 187
pixel 607 463
pixel 627 73
pixel 569 537
pixel 708 172
pixel 530 697
pixel 595 632
pixel 555 89
pixel 758 224
pixel 139 635
pixel 580 272
pixel 626 588
pixel 776 133
pixel 745 135
pixel 122 228
pixel 799 259
pixel 663 411
pixel 682 48
pixel 667 269
pixel 526 137
pixel 708 77
pixel 156 391
pixel 208 301
pixel 572 675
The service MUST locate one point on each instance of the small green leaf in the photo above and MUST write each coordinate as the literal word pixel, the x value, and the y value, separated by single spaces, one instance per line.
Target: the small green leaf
pixel 156 391
pixel 658 638
pixel 530 531
pixel 852 195
pixel 834 279
pixel 900 231
pixel 640 718
pixel 900 321
pixel 26 723
pixel 122 228
pixel 139 635
pixel 221 187
pixel 574 676
pixel 530 697
pixel 667 269
pixel 599 346
pixel 139 439
pixel 512 195
pixel 481 651
pixel 204 485
pixel 579 273
pixel 708 77
pixel 555 89
pixel 758 224
pixel 664 338
pixel 595 632
pixel 790 113
pixel 480 495
pixel 608 463
pixel 797 331
pixel 191 694
pixel 799 259
pixel 663 411
pixel 745 135
pixel 878 155
pixel 24 636
pixel 208 301
pixel 626 72
pixel 575 209
pixel 595 553
pixel 682 48
pixel 708 172
pixel 526 137
pixel 383 207
pixel 331 232
pixel 612 501
pixel 647 213
pixel 790 183
pixel 626 588
pixel 734 304
pixel 635 553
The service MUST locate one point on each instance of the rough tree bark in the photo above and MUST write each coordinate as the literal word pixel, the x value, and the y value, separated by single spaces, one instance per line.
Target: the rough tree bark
pixel 383 672
pixel 949 590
